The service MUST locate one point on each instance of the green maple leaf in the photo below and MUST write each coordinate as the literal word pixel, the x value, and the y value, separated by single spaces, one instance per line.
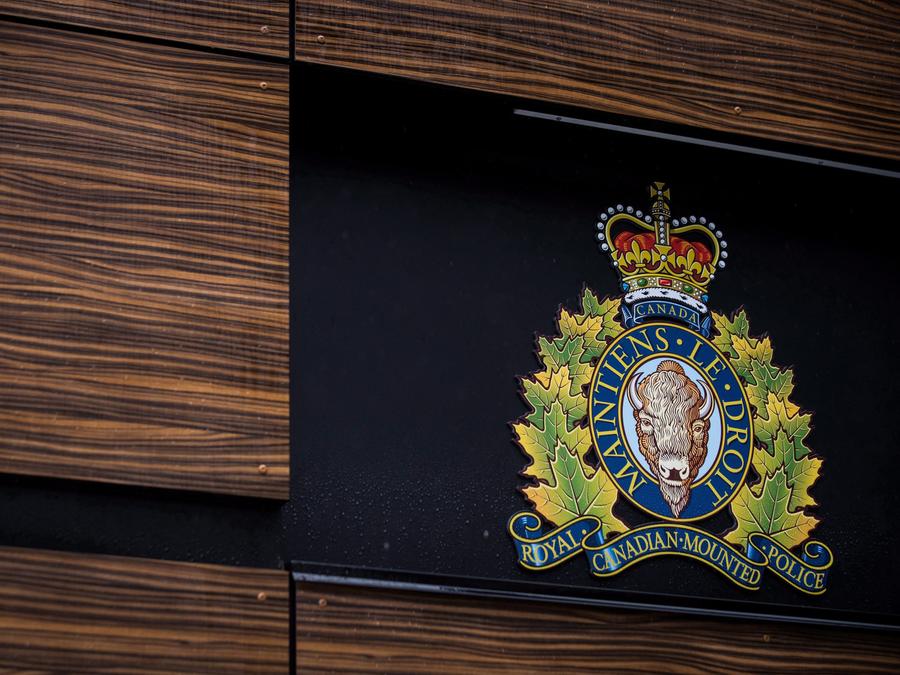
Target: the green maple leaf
pixel 558 410
pixel 587 331
pixel 752 359
pixel 801 468
pixel 782 434
pixel 539 441
pixel 763 379
pixel 593 306
pixel 780 414
pixel 547 387
pixel 572 493
pixel 769 512
pixel 559 352
pixel 787 469
pixel 606 310
pixel 727 329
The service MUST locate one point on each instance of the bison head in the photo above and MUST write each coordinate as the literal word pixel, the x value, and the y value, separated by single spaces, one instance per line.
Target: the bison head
pixel 672 414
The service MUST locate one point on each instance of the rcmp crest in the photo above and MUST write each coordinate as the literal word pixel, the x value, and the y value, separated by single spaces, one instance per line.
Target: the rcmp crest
pixel 653 400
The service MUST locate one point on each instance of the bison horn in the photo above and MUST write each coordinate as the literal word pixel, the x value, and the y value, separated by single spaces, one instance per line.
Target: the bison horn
pixel 633 392
pixel 706 410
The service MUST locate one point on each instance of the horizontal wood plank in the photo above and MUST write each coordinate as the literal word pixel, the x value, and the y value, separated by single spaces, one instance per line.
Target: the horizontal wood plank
pixel 255 26
pixel 353 629
pixel 823 74
pixel 74 613
pixel 143 264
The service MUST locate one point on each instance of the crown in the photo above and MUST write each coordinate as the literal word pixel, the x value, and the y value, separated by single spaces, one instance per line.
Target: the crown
pixel 659 257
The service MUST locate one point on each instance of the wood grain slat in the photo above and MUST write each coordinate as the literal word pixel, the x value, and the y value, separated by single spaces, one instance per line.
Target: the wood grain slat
pixel 342 629
pixel 824 74
pixel 255 26
pixel 75 613
pixel 143 264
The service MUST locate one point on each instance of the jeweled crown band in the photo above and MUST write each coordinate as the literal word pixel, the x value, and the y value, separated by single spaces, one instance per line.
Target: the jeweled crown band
pixel 654 251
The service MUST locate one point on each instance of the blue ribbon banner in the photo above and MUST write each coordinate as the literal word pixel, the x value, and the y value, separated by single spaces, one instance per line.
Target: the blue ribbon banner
pixel 655 308
pixel 537 550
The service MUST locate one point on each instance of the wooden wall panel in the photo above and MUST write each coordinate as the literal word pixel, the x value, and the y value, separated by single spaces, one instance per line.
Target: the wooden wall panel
pixel 143 264
pixel 73 613
pixel 817 73
pixel 353 629
pixel 257 26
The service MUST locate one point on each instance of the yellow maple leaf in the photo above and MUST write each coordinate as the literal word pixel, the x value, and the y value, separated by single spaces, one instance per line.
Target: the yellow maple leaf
pixel 538 441
pixel 775 505
pixel 572 493
pixel 558 412
pixel 769 512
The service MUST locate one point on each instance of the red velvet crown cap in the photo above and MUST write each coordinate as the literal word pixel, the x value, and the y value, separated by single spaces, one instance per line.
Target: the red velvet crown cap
pixel 646 241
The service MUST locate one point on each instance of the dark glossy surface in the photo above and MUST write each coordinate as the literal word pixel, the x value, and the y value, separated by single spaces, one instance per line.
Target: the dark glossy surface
pixel 435 233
